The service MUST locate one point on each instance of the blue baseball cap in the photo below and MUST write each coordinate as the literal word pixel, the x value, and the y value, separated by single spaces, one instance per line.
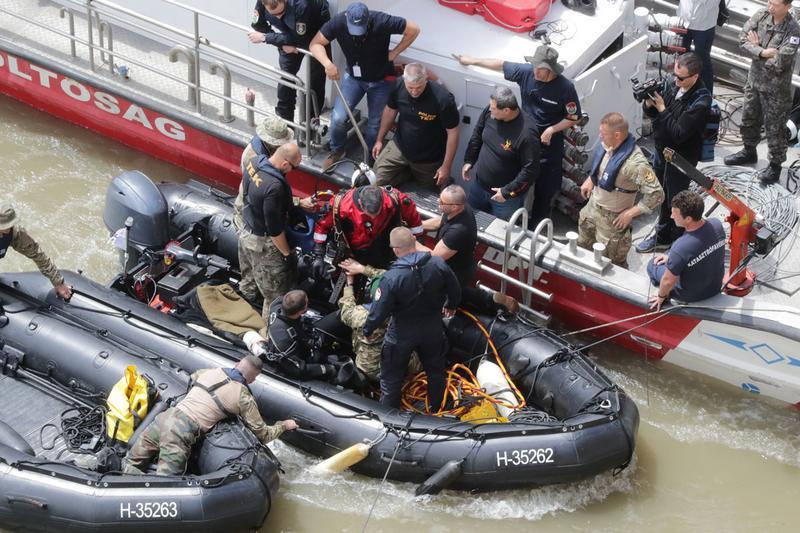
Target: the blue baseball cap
pixel 357 18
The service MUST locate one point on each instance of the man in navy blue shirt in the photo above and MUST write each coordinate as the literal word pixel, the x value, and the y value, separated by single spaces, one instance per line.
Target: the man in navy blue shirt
pixel 415 292
pixel 289 25
pixel 695 266
pixel 552 101
pixel 363 36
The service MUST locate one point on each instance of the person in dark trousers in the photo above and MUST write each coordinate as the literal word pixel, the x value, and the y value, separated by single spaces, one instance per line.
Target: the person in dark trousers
pixel 700 17
pixel 415 292
pixel 679 120
pixel 504 150
pixel 426 139
pixel 695 266
pixel 363 36
pixel 263 248
pixel 289 25
pixel 456 237
pixel 551 99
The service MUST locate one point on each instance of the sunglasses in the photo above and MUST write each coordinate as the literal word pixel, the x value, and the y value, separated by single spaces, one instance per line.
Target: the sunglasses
pixel 683 78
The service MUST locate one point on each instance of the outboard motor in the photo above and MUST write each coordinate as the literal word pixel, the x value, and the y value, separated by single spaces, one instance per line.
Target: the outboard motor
pixel 133 195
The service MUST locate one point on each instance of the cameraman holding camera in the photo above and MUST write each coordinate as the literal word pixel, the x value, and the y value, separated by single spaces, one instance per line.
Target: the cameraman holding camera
pixel 679 119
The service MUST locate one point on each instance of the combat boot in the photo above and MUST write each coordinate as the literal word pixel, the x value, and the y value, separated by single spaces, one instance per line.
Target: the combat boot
pixel 745 156
pixel 770 175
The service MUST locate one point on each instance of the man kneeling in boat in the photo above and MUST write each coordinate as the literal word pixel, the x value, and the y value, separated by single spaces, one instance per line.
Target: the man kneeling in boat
pixel 216 394
pixel 12 235
pixel 367 349
pixel 292 348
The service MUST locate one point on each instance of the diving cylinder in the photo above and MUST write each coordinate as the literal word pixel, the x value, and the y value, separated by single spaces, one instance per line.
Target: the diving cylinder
pixel 342 460
pixel 491 379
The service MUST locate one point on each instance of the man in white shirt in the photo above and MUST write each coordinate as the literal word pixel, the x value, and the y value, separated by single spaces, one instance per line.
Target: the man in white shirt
pixel 701 17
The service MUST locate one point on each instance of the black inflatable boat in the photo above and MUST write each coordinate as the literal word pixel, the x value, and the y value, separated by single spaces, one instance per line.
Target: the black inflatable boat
pixel 57 371
pixel 577 423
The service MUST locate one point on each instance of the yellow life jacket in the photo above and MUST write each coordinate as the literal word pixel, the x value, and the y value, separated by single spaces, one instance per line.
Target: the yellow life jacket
pixel 127 405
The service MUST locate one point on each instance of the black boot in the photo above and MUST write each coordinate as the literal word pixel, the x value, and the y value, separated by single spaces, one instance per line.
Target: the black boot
pixel 770 175
pixel 745 156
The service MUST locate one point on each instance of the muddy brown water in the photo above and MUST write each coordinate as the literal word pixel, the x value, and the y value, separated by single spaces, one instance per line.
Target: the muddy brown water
pixel 709 457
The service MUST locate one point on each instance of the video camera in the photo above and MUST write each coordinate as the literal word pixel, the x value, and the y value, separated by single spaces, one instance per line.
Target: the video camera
pixel 646 89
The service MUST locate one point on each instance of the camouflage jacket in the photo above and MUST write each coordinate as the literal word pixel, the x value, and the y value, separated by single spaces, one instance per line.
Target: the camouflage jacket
pixel 784 36
pixel 366 349
pixel 636 174
pixel 23 243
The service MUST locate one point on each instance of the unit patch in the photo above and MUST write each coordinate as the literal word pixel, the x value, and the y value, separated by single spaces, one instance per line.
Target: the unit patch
pixel 300 28
pixel 572 108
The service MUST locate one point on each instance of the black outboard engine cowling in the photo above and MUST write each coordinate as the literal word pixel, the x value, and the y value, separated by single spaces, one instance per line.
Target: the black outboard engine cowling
pixel 134 195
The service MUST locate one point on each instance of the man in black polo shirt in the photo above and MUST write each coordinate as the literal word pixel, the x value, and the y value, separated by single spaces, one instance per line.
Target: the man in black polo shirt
pixel 363 36
pixel 289 25
pixel 426 139
pixel 551 99
pixel 263 247
pixel 504 149
pixel 456 238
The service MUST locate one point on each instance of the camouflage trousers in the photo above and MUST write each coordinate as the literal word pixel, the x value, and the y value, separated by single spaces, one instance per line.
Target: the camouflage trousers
pixel 171 437
pixel 368 360
pixel 263 270
pixel 596 224
pixel 770 108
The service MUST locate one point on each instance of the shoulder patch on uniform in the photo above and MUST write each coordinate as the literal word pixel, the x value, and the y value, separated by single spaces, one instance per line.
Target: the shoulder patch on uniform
pixel 572 108
pixel 300 28
pixel 255 16
pixel 794 40
pixel 650 176
pixel 377 294
pixel 272 317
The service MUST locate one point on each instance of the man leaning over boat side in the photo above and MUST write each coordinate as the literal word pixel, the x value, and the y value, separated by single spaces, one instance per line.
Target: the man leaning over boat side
pixel 12 235
pixel 770 39
pixel 270 134
pixel 504 151
pixel 216 394
pixel 619 172
pixel 415 292
pixel 695 266
pixel 263 245
pixel 425 142
pixel 679 119
pixel 456 238
pixel 551 99
pixel 364 37
pixel 289 25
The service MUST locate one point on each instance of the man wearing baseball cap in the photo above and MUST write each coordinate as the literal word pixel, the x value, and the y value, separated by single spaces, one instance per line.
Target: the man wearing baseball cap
pixel 363 36
pixel 551 99
pixel 12 235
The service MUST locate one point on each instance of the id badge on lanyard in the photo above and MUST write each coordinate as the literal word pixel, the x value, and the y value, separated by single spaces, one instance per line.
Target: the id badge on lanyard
pixel 356 71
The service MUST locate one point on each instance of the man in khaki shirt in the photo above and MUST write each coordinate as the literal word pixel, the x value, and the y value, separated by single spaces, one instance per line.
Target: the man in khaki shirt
pixel 216 394
pixel 12 235
pixel 619 173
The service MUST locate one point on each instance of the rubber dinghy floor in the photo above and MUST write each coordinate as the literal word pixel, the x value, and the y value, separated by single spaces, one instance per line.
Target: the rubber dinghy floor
pixel 27 409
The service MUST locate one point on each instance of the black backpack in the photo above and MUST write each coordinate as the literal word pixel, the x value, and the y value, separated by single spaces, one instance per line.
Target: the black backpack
pixel 724 13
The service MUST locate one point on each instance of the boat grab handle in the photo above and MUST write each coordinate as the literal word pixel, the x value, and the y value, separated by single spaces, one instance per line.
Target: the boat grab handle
pixel 387 458
pixel 39 504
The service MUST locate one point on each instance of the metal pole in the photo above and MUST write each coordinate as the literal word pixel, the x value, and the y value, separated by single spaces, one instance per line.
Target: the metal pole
pixel 310 110
pixel 71 18
pixel 91 38
pixel 226 88
pixel 197 61
pixel 352 121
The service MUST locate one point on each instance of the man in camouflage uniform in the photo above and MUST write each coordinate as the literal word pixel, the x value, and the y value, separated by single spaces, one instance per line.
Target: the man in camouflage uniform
pixel 216 394
pixel 12 235
pixel 770 38
pixel 272 133
pixel 619 171
pixel 366 349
